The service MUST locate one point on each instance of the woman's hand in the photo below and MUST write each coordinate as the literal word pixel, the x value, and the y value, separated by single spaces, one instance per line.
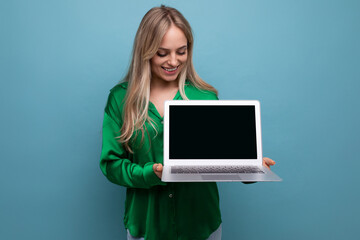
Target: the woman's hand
pixel 267 162
pixel 158 168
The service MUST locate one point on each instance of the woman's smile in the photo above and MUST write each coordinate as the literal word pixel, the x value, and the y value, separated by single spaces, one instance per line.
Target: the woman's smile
pixel 170 70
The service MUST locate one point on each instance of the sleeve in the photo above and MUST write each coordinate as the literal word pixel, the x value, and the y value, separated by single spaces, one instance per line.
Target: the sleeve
pixel 114 162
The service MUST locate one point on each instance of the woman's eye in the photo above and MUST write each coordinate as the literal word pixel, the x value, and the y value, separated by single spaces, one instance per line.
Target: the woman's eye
pixel 161 55
pixel 181 53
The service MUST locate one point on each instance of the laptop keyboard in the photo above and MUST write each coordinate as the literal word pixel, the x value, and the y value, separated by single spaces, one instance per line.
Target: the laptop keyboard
pixel 215 169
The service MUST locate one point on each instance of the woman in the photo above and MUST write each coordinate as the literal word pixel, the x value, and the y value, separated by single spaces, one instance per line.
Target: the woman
pixel 161 69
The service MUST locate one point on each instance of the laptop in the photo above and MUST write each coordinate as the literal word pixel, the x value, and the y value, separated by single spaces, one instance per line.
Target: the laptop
pixel 213 141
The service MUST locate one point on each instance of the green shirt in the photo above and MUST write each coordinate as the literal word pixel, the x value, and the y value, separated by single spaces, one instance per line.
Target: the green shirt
pixel 154 209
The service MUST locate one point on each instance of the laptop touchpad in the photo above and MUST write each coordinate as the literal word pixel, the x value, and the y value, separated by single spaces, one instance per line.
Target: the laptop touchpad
pixel 220 177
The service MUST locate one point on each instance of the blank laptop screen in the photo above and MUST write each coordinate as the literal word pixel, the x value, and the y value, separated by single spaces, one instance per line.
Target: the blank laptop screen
pixel 212 132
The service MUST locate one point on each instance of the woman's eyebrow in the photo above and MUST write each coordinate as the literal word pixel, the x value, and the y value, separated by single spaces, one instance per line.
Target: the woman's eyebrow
pixel 161 48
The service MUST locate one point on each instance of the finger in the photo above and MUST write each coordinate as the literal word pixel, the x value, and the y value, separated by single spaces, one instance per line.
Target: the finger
pixel 269 161
pixel 157 167
pixel 266 164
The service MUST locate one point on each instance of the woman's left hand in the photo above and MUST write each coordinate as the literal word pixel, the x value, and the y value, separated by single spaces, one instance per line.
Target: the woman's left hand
pixel 267 162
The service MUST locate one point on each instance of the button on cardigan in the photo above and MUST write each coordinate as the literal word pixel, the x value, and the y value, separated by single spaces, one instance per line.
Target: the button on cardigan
pixel 154 209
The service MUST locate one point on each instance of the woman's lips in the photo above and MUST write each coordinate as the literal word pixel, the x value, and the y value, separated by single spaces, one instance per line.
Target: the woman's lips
pixel 170 71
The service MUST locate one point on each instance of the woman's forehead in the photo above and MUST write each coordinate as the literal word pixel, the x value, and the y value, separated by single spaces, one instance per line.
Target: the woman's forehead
pixel 174 38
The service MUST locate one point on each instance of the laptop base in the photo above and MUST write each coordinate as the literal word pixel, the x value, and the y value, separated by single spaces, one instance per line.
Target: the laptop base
pixel 267 176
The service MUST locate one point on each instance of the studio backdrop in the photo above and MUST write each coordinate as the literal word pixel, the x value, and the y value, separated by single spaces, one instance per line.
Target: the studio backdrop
pixel 300 59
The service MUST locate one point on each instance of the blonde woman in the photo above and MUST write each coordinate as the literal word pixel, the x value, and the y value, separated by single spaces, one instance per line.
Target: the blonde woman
pixel 132 153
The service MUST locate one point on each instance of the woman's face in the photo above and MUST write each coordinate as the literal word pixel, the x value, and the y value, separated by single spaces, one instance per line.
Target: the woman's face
pixel 171 56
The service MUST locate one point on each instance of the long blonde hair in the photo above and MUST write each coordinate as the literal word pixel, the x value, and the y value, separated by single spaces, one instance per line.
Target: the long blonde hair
pixel 153 27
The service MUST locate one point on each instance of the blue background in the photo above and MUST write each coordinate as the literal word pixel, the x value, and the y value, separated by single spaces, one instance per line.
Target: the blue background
pixel 59 59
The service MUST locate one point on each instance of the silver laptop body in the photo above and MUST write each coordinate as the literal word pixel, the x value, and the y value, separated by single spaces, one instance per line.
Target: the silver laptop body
pixel 213 141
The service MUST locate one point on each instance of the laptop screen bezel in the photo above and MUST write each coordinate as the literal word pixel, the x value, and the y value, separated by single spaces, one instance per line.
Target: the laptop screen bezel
pixel 192 162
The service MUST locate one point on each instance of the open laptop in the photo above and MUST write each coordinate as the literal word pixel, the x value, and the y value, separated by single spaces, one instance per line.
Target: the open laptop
pixel 213 141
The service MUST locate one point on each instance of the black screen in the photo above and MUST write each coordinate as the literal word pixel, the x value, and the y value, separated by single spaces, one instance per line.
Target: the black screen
pixel 212 132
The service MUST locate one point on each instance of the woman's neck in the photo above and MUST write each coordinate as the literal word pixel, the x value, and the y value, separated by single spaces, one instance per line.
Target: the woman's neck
pixel 160 85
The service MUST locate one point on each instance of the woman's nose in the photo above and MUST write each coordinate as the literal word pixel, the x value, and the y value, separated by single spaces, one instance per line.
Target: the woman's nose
pixel 173 61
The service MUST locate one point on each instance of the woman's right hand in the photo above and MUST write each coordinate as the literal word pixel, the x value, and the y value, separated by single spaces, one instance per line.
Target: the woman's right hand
pixel 158 168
